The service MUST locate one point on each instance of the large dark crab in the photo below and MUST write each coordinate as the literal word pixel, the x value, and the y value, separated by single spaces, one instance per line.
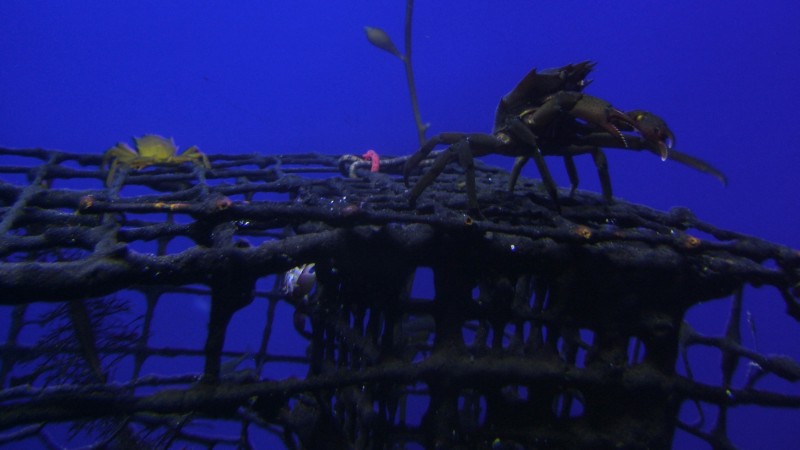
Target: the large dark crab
pixel 547 114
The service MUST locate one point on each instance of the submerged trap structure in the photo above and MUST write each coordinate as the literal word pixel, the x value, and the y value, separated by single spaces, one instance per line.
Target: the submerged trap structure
pixel 541 330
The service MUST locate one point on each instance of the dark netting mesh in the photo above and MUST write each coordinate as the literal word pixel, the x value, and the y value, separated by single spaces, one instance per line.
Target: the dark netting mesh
pixel 541 330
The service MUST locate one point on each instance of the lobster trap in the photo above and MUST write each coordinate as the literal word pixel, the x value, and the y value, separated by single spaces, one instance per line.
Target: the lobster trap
pixel 536 329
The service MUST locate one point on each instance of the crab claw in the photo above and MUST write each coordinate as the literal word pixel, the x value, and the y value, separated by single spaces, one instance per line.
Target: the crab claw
pixel 599 112
pixel 654 130
pixel 537 85
pixel 572 76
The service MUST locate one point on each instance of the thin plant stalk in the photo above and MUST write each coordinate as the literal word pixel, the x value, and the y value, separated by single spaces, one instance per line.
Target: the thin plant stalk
pixel 412 88
pixel 380 39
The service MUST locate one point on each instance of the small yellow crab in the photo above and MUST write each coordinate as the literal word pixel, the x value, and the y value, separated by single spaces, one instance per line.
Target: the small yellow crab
pixel 150 149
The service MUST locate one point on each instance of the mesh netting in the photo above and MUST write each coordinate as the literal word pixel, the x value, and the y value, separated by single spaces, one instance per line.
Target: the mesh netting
pixel 541 330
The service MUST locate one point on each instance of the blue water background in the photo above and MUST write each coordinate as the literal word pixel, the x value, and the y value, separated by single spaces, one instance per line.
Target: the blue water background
pixel 299 76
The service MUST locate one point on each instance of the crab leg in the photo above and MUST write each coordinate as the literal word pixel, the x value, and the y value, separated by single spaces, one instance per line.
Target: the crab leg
pixel 698 164
pixel 524 133
pixel 426 149
pixel 463 146
pixel 568 152
pixel 601 163
pixel 427 178
pixel 193 152
pixel 572 172
pixel 111 171
pixel 636 143
pixel 569 163
pixel 519 163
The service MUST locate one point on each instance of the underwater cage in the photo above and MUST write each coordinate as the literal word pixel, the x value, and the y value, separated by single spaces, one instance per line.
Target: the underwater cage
pixel 542 330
